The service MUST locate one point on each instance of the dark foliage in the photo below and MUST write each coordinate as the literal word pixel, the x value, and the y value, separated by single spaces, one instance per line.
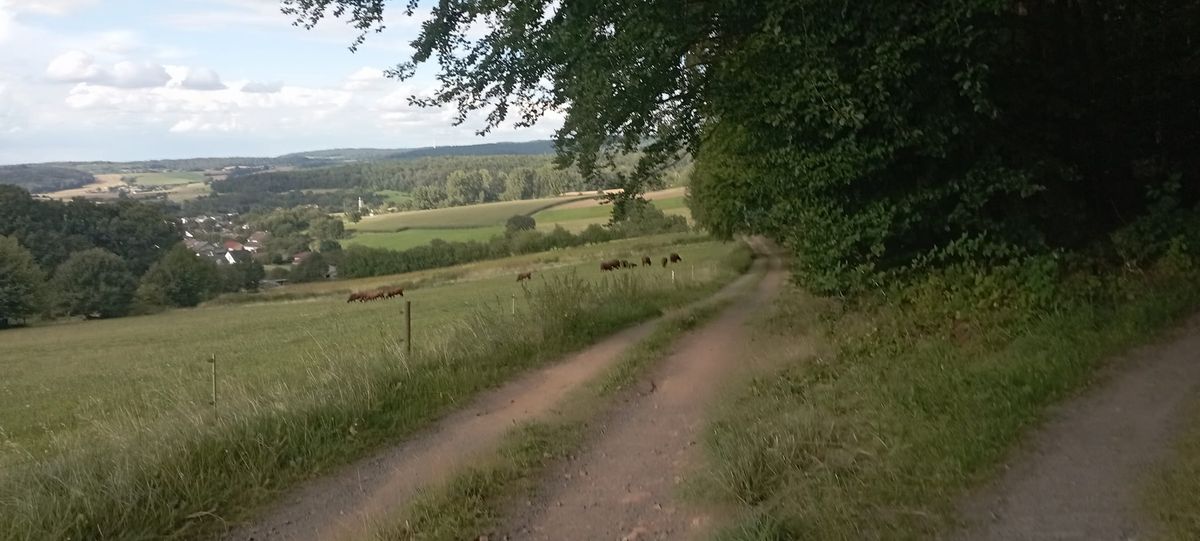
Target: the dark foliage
pixel 44 178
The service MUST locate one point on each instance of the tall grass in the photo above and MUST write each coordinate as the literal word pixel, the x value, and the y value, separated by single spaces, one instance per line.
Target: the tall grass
pixel 924 397
pixel 195 470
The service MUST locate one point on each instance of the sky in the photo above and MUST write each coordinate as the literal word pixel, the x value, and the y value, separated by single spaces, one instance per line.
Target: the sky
pixel 141 79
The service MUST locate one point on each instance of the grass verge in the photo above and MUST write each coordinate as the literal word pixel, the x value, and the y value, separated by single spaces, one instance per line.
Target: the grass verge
pixel 924 396
pixel 190 472
pixel 1171 496
pixel 473 502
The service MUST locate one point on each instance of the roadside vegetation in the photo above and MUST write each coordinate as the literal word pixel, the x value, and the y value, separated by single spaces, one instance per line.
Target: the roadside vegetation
pixel 924 389
pixel 179 468
pixel 1171 496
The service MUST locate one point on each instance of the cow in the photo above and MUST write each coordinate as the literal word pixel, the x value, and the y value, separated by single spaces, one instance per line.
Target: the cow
pixel 664 262
pixel 611 264
pixel 355 296
pixel 394 292
pixel 374 295
pixel 525 276
pixel 646 261
pixel 675 258
pixel 624 264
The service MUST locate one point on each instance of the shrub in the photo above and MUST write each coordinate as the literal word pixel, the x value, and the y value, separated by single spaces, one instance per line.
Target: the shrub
pixel 520 222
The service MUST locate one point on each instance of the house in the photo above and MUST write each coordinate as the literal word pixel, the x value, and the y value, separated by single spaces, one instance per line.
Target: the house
pixel 301 257
pixel 231 244
pixel 233 257
pixel 257 241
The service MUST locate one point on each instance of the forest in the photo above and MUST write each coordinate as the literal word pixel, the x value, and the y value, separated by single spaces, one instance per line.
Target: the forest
pixel 44 178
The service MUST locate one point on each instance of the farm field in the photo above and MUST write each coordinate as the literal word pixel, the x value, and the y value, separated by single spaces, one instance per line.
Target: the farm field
pixel 411 238
pixel 575 217
pixel 61 377
pixel 485 214
pixel 167 178
pixel 95 190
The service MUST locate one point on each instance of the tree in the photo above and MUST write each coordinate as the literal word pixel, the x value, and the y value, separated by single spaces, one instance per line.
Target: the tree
pixel 326 228
pixel 93 283
pixel 520 222
pixel 241 276
pixel 871 137
pixel 21 282
pixel 180 278
pixel 313 268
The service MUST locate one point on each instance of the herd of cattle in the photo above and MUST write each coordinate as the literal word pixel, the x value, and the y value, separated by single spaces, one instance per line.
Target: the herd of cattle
pixel 615 264
pixel 610 265
pixel 376 294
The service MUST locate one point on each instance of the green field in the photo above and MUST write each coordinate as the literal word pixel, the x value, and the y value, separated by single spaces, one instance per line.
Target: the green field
pixel 187 192
pixel 168 178
pixel 578 218
pixel 394 196
pixel 469 216
pixel 61 377
pixel 411 238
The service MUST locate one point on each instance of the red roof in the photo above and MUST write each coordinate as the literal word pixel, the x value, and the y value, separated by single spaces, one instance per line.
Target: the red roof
pixel 231 244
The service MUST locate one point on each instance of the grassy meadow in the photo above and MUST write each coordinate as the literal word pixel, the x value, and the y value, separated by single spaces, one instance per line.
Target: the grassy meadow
pixel 411 238
pixel 108 428
pixel 60 377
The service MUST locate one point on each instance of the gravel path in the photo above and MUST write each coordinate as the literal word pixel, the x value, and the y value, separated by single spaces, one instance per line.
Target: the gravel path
pixel 1080 475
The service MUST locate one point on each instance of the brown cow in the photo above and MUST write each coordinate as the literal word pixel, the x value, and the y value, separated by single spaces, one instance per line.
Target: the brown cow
pixel 393 292
pixel 354 296
pixel 675 258
pixel 646 261
pixel 611 264
pixel 525 276
pixel 664 262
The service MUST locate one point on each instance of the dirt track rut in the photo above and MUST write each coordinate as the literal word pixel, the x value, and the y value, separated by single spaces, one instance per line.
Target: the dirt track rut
pixel 344 504
pixel 623 486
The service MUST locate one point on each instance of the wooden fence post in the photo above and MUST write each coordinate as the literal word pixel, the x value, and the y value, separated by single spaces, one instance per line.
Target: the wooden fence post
pixel 408 328
pixel 213 361
pixel 514 304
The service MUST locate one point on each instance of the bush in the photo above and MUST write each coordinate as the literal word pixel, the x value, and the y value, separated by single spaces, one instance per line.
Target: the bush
pixel 94 283
pixel 180 278
pixel 21 282
pixel 520 222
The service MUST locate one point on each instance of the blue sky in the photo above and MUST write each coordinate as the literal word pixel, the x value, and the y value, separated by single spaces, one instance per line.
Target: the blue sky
pixel 139 79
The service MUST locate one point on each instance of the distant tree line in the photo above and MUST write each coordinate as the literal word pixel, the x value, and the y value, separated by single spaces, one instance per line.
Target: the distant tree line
pixel 44 178
pixel 263 201
pixel 90 259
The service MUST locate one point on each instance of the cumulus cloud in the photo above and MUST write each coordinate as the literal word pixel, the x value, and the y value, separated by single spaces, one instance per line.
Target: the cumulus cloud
pixel 257 87
pixel 364 79
pixel 202 79
pixel 80 67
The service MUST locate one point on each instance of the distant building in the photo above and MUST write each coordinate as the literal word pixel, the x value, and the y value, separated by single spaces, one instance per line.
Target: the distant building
pixel 231 244
pixel 301 257
pixel 233 257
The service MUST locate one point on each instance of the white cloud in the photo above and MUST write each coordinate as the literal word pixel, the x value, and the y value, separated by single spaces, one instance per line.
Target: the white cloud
pixel 130 74
pixel 262 87
pixel 81 67
pixel 6 22
pixel 364 79
pixel 72 67
pixel 202 79
pixel 50 7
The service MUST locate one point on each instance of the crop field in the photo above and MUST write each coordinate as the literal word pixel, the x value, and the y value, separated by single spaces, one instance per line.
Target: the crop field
pixel 187 192
pixel 59 378
pixel 482 215
pixel 167 178
pixel 394 196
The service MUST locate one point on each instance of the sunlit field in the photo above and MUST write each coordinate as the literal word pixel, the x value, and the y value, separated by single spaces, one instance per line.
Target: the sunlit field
pixel 468 216
pixel 60 376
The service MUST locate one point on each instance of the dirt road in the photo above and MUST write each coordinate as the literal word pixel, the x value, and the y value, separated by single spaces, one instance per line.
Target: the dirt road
pixel 1080 475
pixel 622 487
pixel 344 504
